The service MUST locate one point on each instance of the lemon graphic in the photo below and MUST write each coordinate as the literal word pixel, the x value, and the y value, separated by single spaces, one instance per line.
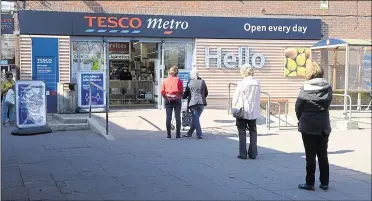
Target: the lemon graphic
pixel 286 72
pixel 291 64
pixel 301 71
pixel 300 50
pixel 292 74
pixel 301 59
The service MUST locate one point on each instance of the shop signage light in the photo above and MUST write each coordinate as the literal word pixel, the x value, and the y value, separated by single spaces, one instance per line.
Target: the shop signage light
pixel 230 60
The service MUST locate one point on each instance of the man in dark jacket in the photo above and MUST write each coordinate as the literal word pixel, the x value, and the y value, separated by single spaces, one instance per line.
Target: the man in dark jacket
pixel 196 92
pixel 312 110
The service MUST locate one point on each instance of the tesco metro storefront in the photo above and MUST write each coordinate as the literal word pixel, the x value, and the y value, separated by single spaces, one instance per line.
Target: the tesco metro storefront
pixel 136 50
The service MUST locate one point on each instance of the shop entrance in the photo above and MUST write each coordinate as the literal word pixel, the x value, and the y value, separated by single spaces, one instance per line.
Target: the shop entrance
pixel 136 68
pixel 132 73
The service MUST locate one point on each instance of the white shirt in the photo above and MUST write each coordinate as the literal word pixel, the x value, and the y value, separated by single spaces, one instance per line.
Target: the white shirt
pixel 248 95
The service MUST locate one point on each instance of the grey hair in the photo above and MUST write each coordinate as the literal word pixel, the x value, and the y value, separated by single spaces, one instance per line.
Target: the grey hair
pixel 194 74
pixel 246 70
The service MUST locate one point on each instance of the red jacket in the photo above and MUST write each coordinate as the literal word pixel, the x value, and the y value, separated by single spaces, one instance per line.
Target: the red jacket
pixel 172 86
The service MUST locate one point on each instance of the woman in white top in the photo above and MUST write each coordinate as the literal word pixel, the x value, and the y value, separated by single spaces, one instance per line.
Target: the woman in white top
pixel 247 95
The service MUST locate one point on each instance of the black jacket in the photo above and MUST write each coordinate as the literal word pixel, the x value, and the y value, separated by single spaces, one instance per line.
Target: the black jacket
pixel 196 92
pixel 312 107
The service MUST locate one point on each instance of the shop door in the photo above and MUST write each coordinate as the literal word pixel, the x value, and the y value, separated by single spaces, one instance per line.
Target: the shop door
pixel 158 82
pixel 177 53
pixel 45 67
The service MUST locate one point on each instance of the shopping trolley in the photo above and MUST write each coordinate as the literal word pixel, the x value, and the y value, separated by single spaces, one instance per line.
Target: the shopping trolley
pixel 186 118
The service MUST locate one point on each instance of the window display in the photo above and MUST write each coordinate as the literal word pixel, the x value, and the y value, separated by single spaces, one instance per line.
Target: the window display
pixel 178 54
pixel 87 56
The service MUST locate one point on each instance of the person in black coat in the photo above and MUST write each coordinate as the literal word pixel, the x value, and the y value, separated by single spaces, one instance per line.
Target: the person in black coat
pixel 312 111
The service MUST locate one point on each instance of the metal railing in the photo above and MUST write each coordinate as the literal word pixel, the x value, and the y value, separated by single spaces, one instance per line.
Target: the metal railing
pixel 286 113
pixel 229 98
pixel 90 104
pixel 267 104
pixel 279 108
pixel 350 105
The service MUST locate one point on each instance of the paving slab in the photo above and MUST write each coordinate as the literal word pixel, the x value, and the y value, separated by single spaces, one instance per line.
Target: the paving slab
pixel 141 165
pixel 45 193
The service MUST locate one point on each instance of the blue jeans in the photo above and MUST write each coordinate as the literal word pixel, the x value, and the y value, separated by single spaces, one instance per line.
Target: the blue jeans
pixel 196 111
pixel 8 107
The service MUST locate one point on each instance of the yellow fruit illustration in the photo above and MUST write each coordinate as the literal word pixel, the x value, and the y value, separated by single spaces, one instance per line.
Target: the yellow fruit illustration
pixel 307 53
pixel 95 66
pixel 300 50
pixel 286 72
pixel 301 71
pixel 292 74
pixel 301 59
pixel 290 53
pixel 291 64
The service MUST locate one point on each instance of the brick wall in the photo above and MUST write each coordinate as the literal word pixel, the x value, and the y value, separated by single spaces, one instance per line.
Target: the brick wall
pixel 334 25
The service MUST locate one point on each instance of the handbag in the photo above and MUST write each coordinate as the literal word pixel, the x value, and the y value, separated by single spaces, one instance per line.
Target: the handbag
pixel 10 98
pixel 238 112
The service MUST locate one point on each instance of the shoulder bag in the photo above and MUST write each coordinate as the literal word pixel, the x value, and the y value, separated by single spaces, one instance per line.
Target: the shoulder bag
pixel 10 97
pixel 238 112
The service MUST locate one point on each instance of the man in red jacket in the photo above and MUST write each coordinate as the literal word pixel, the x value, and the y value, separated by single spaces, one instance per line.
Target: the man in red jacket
pixel 171 90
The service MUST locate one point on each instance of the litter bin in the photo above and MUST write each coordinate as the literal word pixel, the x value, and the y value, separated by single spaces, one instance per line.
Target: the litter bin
pixel 67 96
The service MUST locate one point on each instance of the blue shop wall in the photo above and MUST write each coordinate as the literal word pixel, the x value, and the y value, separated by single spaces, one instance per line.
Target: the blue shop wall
pixel 45 67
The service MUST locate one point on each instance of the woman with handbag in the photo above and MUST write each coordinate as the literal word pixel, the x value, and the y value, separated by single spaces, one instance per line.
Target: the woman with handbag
pixel 196 92
pixel 246 109
pixel 171 90
pixel 7 108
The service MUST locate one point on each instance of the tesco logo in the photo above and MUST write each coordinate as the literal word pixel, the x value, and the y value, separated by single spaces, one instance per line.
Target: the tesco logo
pixel 45 61
pixel 114 22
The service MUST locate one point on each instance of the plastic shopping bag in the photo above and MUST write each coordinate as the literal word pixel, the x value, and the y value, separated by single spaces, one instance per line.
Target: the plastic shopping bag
pixel 10 97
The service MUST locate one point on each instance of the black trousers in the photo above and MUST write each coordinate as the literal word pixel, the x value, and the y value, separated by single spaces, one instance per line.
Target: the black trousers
pixel 176 106
pixel 316 145
pixel 242 125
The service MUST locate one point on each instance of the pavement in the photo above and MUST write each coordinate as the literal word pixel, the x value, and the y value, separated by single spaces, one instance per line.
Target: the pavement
pixel 141 165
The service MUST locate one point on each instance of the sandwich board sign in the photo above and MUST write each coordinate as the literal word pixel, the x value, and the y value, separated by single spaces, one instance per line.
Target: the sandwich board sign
pixel 30 104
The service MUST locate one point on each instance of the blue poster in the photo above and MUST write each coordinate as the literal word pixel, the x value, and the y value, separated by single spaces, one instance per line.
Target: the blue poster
pixel 30 104
pixel 98 95
pixel 45 67
pixel 46 70
pixel 7 24
pixel 366 63
pixel 184 76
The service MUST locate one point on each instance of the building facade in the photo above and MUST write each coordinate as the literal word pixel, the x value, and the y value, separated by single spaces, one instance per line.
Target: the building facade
pixel 214 37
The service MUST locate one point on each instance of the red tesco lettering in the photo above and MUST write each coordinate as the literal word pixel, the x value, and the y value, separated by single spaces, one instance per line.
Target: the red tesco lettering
pixel 114 22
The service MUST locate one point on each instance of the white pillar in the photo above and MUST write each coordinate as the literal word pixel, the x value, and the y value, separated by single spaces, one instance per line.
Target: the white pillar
pixel 346 79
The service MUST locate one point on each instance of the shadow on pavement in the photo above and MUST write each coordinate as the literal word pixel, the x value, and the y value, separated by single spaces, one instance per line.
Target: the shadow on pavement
pixel 142 165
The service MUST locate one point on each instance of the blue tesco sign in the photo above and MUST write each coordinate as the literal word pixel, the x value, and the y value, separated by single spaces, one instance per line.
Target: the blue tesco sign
pixel 98 95
pixel 30 104
pixel 165 26
pixel 46 70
